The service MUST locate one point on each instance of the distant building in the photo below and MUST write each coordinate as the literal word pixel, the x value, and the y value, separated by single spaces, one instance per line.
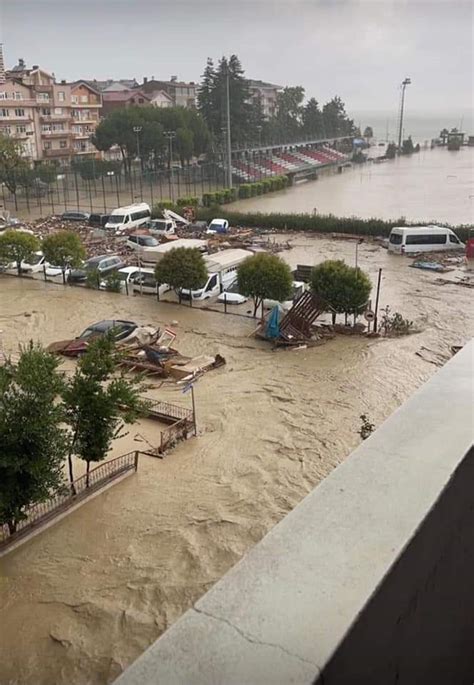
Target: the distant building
pixel 53 121
pixel 112 84
pixel 160 98
pixel 123 98
pixel 181 93
pixel 266 94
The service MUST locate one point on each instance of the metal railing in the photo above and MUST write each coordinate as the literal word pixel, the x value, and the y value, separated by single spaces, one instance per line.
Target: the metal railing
pixel 40 513
pixel 166 409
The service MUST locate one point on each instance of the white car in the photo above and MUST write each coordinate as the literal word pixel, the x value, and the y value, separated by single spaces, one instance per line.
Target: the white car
pixel 126 275
pixel 52 271
pixel 144 283
pixel 232 295
pixel 218 226
pixel 35 264
pixel 298 288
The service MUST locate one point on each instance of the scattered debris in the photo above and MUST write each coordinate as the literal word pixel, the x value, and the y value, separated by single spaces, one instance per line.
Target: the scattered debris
pixel 431 266
pixel 367 428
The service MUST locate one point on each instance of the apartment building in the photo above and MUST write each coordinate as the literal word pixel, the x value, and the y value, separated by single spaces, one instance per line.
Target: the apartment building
pixel 86 104
pixel 112 100
pixel 53 121
pixel 181 93
pixel 266 94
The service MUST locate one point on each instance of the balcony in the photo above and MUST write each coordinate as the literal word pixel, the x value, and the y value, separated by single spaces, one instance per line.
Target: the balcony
pixel 58 152
pixel 13 102
pixel 55 117
pixel 56 134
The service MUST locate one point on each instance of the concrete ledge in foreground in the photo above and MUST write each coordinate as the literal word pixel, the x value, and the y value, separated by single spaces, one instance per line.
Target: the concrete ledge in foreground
pixel 369 580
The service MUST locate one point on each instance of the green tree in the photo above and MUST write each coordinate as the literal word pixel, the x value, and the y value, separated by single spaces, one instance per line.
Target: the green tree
pixel 344 288
pixel 184 144
pixel 368 133
pixel 290 110
pixel 206 96
pixel 335 120
pixel 312 119
pixel 13 167
pixel 264 276
pixel 180 268
pixel 32 439
pixel 97 403
pixel 17 246
pixel 64 249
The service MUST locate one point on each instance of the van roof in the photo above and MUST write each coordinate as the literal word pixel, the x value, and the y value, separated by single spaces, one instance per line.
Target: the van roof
pixel 427 229
pixel 130 208
pixel 226 258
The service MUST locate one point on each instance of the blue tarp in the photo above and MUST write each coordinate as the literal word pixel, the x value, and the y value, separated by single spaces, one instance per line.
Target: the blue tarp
pixel 273 323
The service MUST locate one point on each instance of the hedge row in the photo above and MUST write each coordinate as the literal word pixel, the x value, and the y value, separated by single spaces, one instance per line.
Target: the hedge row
pixel 267 185
pixel 316 223
pixel 187 201
pixel 220 197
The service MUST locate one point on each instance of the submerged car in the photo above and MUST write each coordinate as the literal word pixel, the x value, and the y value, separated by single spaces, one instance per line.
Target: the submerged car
pixel 75 216
pixel 232 295
pixel 122 332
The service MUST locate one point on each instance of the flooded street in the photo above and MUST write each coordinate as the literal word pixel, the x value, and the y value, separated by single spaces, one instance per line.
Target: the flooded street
pixel 431 185
pixel 87 596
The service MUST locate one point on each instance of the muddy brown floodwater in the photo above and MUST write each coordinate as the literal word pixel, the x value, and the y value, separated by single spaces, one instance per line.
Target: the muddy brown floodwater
pixel 87 596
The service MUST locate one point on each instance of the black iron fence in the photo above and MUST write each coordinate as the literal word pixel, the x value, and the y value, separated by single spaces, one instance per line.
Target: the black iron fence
pixel 39 514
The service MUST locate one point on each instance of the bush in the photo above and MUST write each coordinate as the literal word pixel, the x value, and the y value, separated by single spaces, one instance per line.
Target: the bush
pixel 209 199
pixel 113 284
pixel 244 191
pixel 93 279
pixel 187 202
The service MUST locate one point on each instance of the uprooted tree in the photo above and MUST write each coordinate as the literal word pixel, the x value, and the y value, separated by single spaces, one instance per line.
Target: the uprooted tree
pixel 32 436
pixel 16 247
pixel 97 403
pixel 182 268
pixel 264 276
pixel 345 289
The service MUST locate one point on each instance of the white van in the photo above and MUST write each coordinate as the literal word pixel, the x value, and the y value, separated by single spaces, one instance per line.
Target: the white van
pixel 123 218
pixel 409 239
pixel 152 255
pixel 144 283
pixel 222 271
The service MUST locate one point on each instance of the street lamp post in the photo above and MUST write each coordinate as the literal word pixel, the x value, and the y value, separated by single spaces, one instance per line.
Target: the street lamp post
pixel 171 135
pixel 406 82
pixel 228 136
pixel 137 130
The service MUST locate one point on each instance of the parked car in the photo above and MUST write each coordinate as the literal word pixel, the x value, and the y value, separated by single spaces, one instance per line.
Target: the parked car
pixel 135 242
pixel 104 264
pixel 161 226
pixel 218 226
pixel 75 216
pixel 144 282
pixel 98 220
pixel 231 295
pixel 298 288
pixel 122 329
pixel 126 275
pixel 52 271
pixel 35 264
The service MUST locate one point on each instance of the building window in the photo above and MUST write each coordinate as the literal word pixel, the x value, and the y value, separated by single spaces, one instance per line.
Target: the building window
pixel 19 112
pixel 84 98
pixel 3 95
pixel 46 128
pixel 6 131
pixel 43 97
pixel 18 96
pixel 45 111
pixel 4 112
pixel 21 129
pixel 58 110
pixel 74 99
pixel 61 96
pixel 141 101
pixel 47 146
pixel 63 144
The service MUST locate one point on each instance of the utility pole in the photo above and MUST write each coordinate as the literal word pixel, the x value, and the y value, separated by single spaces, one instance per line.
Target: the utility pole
pixel 406 82
pixel 137 130
pixel 228 137
pixel 170 135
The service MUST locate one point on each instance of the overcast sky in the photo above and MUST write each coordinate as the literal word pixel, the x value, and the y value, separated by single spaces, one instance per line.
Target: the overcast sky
pixel 359 49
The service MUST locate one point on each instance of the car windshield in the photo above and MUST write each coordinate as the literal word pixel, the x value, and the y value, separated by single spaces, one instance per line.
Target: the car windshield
pixel 158 224
pixel 116 219
pixel 396 238
pixel 123 275
pixel 233 288
pixel 35 259
pixel 148 242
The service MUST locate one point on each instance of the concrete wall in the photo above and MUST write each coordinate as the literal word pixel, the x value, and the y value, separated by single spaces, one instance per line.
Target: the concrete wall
pixel 370 580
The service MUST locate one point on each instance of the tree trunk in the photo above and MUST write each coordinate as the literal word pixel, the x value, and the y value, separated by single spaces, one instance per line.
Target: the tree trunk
pixel 333 318
pixel 11 526
pixel 256 304
pixel 87 473
pixel 71 474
